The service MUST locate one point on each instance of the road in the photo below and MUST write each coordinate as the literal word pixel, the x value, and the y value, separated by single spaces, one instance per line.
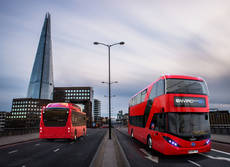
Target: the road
pixel 138 156
pixel 53 153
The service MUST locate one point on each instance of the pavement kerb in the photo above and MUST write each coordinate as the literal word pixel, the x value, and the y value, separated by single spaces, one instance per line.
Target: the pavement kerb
pixel 217 141
pixel 120 155
pixel 19 142
pixel 99 155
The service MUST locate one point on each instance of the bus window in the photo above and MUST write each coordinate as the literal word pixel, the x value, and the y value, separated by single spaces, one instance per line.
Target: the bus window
pixel 186 86
pixel 188 124
pixel 153 93
pixel 55 116
pixel 143 93
pixel 160 87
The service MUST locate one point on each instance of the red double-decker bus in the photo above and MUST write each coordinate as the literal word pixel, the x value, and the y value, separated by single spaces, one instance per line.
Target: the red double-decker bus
pixel 171 115
pixel 62 121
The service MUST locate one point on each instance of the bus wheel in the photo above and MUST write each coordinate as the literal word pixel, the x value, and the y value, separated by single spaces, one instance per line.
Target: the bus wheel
pixel 149 143
pixel 75 135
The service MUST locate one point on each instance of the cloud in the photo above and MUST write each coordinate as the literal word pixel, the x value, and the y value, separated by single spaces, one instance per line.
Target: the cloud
pixel 173 37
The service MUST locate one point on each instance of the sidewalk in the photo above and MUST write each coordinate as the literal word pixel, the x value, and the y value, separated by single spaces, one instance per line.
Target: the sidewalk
pixel 220 138
pixel 5 140
pixel 110 153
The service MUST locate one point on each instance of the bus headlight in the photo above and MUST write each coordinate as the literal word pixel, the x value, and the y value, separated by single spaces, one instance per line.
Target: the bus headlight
pixel 207 142
pixel 170 141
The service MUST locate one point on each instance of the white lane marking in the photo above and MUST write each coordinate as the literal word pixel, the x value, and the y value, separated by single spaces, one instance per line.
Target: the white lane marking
pixel 37 144
pixel 194 163
pixel 56 150
pixel 220 151
pixel 71 142
pixel 23 165
pixel 217 158
pixel 14 151
pixel 149 156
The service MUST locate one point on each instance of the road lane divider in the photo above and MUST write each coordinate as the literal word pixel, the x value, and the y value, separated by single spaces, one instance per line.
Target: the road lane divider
pixel 223 152
pixel 57 150
pixel 14 151
pixel 149 156
pixel 216 158
pixel 38 144
pixel 194 163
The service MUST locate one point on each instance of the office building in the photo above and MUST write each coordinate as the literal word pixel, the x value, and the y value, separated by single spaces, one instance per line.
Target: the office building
pixel 2 120
pixel 97 111
pixel 82 96
pixel 26 112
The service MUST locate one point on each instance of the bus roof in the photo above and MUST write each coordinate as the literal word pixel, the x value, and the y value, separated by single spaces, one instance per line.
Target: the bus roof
pixel 168 77
pixel 54 105
pixel 182 77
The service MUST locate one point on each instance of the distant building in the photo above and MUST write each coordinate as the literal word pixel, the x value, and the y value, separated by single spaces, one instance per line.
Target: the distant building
pixel 97 111
pixel 125 119
pixel 2 120
pixel 41 81
pixel 82 96
pixel 105 120
pixel 120 115
pixel 25 113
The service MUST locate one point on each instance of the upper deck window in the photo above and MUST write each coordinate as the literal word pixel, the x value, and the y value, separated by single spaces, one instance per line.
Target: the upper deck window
pixel 186 86
pixel 157 89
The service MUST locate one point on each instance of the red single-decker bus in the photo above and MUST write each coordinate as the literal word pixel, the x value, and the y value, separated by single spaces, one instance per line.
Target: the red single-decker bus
pixel 171 115
pixel 62 121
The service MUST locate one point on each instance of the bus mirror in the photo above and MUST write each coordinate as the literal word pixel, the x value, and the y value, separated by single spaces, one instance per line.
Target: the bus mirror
pixel 206 116
pixel 150 101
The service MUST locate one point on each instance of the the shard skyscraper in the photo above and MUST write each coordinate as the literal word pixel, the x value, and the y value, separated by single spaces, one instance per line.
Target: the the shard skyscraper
pixel 41 81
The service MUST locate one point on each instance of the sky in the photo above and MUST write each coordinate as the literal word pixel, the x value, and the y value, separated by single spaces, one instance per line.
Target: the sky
pixel 161 37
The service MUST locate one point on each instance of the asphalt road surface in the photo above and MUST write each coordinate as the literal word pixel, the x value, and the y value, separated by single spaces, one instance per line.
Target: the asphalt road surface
pixel 55 153
pixel 139 157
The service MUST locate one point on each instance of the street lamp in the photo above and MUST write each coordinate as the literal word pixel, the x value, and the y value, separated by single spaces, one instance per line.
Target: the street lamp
pixel 109 46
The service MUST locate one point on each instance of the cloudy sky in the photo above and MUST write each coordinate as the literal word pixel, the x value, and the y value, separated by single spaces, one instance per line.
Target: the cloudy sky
pixel 161 37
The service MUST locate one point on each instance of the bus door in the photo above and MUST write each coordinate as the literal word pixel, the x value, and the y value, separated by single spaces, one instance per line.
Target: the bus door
pixel 157 126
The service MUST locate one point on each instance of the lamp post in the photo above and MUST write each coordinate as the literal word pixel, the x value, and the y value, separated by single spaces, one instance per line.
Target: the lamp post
pixel 109 46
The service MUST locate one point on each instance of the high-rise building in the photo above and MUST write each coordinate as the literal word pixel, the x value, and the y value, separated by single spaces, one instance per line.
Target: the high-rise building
pixel 2 120
pixel 41 81
pixel 97 110
pixel 82 96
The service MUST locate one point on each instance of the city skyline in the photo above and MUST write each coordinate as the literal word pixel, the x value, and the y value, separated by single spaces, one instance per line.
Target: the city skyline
pixel 158 38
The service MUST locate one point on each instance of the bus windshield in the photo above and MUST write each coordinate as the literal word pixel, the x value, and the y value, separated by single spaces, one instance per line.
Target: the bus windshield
pixel 186 86
pixel 188 124
pixel 55 117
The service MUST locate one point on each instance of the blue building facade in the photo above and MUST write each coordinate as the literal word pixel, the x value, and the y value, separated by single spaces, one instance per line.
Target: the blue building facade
pixel 41 84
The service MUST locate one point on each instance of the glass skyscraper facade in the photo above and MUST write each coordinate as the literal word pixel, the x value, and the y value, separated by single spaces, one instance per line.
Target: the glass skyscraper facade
pixel 41 81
